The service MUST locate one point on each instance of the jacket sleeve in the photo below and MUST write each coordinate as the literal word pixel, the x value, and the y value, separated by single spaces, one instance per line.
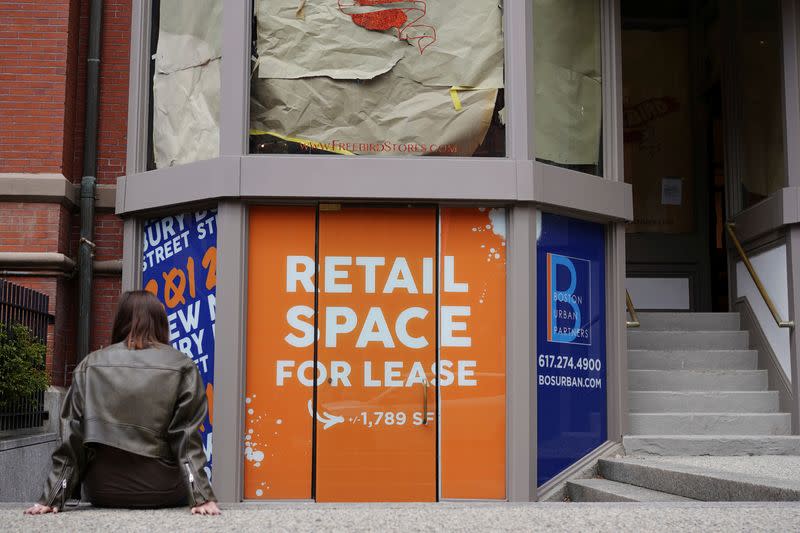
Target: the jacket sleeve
pixel 184 437
pixel 69 459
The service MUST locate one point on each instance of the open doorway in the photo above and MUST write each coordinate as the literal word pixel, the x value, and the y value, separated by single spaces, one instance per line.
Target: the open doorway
pixel 703 139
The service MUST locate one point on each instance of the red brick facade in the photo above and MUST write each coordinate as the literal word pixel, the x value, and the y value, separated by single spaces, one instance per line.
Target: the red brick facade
pixel 36 85
pixel 43 49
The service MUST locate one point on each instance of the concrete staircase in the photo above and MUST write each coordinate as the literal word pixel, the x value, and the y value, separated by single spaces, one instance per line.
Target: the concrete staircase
pixel 693 374
pixel 696 394
pixel 671 479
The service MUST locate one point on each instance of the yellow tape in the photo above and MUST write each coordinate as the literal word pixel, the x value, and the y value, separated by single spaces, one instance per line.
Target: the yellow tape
pixel 456 98
pixel 305 142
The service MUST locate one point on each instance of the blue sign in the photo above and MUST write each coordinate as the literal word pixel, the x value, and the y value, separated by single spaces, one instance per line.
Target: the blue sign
pixel 179 265
pixel 571 343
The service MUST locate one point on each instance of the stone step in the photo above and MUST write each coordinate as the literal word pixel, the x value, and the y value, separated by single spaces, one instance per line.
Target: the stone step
pixel 604 490
pixel 709 479
pixel 703 401
pixel 710 423
pixel 687 340
pixel 719 445
pixel 689 321
pixel 697 380
pixel 692 359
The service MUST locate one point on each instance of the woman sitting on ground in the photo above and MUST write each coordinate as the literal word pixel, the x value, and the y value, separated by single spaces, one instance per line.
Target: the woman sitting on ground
pixel 130 422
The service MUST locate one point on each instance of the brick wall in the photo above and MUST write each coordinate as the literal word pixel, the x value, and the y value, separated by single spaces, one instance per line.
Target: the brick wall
pixel 43 51
pixel 33 227
pixel 104 304
pixel 34 84
pixel 114 67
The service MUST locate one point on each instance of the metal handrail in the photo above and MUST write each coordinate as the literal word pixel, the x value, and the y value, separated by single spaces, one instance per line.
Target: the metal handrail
pixel 757 280
pixel 634 321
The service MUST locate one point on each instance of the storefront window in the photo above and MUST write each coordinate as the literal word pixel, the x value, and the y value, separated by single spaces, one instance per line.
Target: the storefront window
pixel 571 343
pixel 661 145
pixel 378 78
pixel 179 266
pixel 187 53
pixel 567 67
pixel 763 171
pixel 410 356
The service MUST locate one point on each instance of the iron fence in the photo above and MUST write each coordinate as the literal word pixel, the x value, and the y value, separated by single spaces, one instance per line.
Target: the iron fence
pixel 21 305
pixel 23 413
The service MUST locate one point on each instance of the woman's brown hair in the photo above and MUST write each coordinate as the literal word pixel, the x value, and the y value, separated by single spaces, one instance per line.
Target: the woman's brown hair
pixel 141 321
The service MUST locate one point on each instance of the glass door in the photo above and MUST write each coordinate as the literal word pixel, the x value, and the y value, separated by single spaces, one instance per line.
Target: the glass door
pixel 375 399
pixel 368 423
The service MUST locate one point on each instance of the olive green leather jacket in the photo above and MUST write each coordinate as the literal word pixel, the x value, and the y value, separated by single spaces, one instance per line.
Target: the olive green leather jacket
pixel 149 402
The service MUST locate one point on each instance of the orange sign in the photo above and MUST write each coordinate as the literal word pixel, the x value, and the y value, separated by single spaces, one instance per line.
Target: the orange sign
pixel 278 428
pixel 473 417
pixel 378 342
pixel 378 401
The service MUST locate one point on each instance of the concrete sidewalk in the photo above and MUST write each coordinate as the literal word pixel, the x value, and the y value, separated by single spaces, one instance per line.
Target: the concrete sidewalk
pixel 551 517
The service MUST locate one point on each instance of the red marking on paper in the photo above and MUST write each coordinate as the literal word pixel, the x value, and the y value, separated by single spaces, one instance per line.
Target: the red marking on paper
pixel 384 17
pixel 381 20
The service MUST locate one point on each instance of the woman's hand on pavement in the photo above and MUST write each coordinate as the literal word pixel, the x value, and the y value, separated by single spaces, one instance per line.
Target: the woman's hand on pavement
pixel 207 508
pixel 40 509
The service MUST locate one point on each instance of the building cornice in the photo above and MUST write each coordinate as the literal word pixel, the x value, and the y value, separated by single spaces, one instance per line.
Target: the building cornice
pixel 50 188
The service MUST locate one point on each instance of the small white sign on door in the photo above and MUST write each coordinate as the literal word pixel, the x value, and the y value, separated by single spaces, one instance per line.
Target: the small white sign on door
pixel 671 191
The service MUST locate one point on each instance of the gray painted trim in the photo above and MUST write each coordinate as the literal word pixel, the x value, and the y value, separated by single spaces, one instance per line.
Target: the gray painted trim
pixel 173 186
pixel 780 209
pixel 525 181
pixel 139 86
pixel 55 188
pixel 791 89
pixel 132 254
pixel 614 170
pixel 520 86
pixel 376 178
pixel 793 267
pixel 583 193
pixel 520 367
pixel 51 188
pixel 370 178
pixel 613 144
pixel 616 334
pixel 234 110
pixel 119 205
pixel 229 347
pixel 767 360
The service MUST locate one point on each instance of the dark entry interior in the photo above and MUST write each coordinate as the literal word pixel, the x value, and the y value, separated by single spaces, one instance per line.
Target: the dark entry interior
pixel 703 139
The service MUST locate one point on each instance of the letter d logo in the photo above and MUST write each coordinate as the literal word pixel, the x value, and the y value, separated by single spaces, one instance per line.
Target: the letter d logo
pixel 554 333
